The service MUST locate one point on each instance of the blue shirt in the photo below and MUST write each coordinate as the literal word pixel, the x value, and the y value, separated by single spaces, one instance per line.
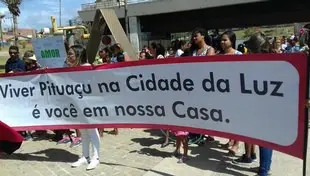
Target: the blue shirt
pixel 15 65
pixel 292 49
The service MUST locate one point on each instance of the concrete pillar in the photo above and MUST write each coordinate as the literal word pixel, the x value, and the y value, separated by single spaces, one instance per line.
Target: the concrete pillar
pixel 134 32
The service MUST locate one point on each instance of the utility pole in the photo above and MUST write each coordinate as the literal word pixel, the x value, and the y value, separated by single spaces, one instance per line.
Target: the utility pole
pixel 1 31
pixel 126 18
pixel 59 13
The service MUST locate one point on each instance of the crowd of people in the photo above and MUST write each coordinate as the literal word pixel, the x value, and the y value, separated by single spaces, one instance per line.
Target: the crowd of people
pixel 201 44
pixel 215 45
pixel 76 56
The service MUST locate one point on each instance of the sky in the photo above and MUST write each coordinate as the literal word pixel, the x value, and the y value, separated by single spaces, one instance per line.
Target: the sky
pixel 36 13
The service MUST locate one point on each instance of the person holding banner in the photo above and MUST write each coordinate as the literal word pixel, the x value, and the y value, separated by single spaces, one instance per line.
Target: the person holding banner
pixel 104 56
pixel 117 49
pixel 31 61
pixel 259 44
pixel 31 64
pixel 201 43
pixel 15 64
pixel 77 57
pixel 228 45
pixel 64 136
pixel 201 46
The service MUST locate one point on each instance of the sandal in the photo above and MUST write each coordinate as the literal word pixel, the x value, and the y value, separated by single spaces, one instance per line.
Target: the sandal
pixel 227 145
pixel 164 144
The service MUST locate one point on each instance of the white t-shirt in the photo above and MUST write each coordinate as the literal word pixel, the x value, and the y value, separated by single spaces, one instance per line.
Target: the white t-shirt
pixel 283 46
pixel 160 57
pixel 238 52
pixel 179 53
pixel 86 64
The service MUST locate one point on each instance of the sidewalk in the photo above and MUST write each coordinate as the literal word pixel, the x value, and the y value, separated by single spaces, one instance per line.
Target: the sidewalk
pixel 134 152
pixel 212 161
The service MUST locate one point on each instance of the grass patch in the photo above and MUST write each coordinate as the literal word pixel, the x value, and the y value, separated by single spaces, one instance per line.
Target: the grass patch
pixel 3 60
pixel 21 48
pixel 2 63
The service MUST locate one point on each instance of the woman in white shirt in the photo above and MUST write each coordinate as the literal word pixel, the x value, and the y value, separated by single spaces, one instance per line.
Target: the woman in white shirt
pixel 201 46
pixel 77 57
pixel 180 46
pixel 228 45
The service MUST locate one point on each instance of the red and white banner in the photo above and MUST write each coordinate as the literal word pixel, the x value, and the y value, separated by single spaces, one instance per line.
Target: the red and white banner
pixel 255 98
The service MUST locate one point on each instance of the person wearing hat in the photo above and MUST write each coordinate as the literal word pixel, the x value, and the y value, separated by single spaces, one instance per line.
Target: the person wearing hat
pixel 31 61
pixel 292 47
pixel 31 64
pixel 258 43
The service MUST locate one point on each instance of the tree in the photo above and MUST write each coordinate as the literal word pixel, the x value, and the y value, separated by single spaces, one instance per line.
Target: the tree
pixel 13 6
pixel 76 21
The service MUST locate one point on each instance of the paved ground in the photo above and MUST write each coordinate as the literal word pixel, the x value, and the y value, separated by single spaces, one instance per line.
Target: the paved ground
pixel 4 53
pixel 133 152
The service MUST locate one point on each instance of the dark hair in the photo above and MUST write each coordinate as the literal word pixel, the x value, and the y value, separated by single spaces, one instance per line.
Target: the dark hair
pixel 106 50
pixel 147 55
pixel 13 47
pixel 295 39
pixel 117 46
pixel 232 37
pixel 216 41
pixel 203 32
pixel 120 57
pixel 153 45
pixel 80 54
pixel 160 50
pixel 241 48
pixel 178 45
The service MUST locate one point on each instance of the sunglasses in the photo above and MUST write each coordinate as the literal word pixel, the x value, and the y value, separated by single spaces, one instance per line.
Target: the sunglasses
pixel 13 53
